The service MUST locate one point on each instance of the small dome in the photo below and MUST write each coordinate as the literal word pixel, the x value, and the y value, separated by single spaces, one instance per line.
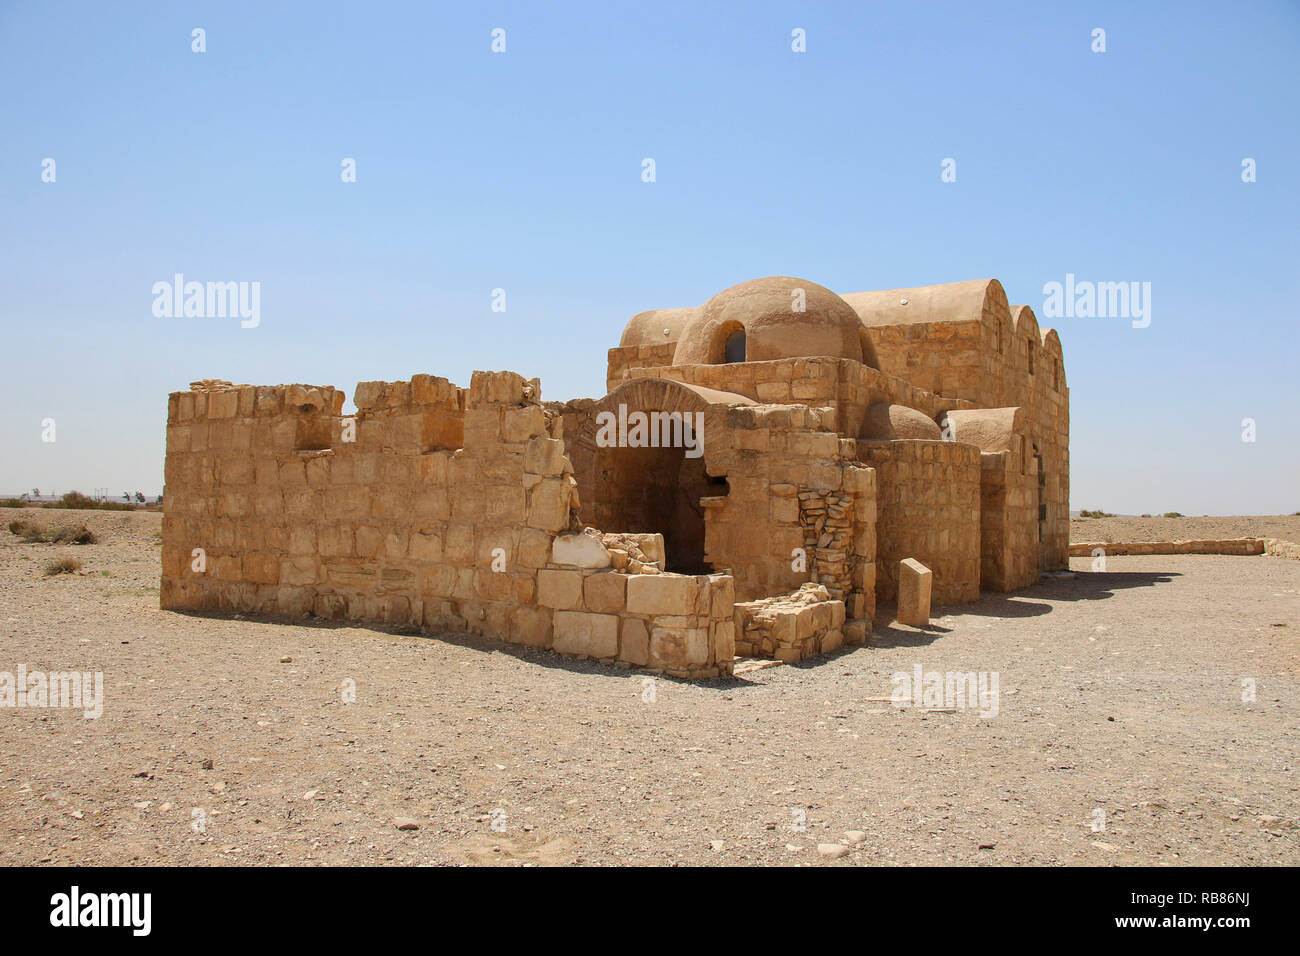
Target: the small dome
pixel 781 317
pixel 656 326
pixel 886 421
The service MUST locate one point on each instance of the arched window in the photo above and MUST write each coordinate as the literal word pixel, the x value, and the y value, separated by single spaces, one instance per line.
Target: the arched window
pixel 735 348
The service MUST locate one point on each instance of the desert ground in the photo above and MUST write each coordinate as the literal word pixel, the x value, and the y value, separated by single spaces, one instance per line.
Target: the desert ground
pixel 1286 527
pixel 1121 734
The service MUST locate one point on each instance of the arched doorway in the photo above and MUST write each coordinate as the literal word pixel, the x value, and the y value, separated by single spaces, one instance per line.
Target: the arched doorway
pixel 655 490
pixel 657 486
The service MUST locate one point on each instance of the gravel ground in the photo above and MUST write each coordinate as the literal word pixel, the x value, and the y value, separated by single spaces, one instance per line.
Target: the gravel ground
pixel 1286 527
pixel 1120 692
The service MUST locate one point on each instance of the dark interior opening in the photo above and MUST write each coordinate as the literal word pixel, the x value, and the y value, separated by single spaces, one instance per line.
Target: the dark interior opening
pixel 1039 493
pixel 656 490
pixel 735 348
pixel 313 431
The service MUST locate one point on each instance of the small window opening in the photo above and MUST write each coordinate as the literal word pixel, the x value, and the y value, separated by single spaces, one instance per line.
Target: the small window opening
pixel 735 349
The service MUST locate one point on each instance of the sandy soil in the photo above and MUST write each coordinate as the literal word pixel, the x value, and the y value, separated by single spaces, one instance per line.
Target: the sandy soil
pixel 1120 692
pixel 1286 527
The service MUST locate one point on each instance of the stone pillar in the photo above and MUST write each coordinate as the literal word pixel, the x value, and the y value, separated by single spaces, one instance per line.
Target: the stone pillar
pixel 914 580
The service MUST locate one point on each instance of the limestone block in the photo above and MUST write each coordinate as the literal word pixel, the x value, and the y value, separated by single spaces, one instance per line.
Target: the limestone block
pixel 261 568
pixel 425 545
pixel 430 390
pixel 521 424
pixel 856 632
pixel 496 387
pixel 784 510
pixel 483 430
pixel 914 584
pixel 650 543
pixel 634 642
pixel 724 640
pixel 679 647
pixel 534 548
pixel 784 626
pixel 224 404
pixel 723 589
pixel 531 626
pixel 369 541
pixel 458 544
pixel 548 505
pixel 559 589
pixel 544 456
pixel 493 585
pixel 662 594
pixel 605 592
pixel 298 570
pixel 579 551
pixel 585 634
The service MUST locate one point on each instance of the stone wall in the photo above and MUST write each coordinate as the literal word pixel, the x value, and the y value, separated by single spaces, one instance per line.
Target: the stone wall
pixel 1008 519
pixel 847 386
pixel 789 501
pixel 434 506
pixel 997 358
pixel 627 357
pixel 928 500
pixel 796 626
pixel 1243 546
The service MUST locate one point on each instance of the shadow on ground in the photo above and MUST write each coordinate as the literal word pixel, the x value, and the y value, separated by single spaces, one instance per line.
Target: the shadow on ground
pixel 1074 586
pixel 1078 586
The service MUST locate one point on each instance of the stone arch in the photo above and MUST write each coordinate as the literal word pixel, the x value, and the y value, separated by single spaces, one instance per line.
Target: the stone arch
pixel 1053 355
pixel 1028 339
pixel 733 350
pixel 656 485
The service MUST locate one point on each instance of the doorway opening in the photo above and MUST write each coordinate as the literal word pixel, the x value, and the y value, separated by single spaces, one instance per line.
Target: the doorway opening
pixel 656 490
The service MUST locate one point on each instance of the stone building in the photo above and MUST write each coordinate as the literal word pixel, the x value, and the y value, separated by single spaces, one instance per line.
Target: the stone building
pixel 748 486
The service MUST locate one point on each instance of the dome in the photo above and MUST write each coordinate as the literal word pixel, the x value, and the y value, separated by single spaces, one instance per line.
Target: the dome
pixel 656 326
pixel 781 317
pixel 887 421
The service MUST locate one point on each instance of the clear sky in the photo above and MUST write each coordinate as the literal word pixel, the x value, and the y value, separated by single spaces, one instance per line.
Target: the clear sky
pixel 522 171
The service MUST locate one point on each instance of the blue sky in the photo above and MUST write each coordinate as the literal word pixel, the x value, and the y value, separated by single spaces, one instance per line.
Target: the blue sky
pixel 522 171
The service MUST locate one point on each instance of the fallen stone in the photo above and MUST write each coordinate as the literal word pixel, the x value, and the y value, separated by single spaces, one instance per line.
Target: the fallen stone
pixel 580 551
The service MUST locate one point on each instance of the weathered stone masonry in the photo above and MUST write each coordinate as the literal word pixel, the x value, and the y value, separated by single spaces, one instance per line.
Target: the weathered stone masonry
pixel 837 437
pixel 402 527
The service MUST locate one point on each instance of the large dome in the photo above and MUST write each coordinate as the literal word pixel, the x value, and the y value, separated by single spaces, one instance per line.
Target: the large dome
pixel 781 317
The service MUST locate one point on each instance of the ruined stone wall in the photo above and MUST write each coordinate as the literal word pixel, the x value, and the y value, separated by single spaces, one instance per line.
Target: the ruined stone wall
pixel 790 503
pixel 793 627
pixel 928 501
pixel 799 507
pixel 627 357
pixel 435 506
